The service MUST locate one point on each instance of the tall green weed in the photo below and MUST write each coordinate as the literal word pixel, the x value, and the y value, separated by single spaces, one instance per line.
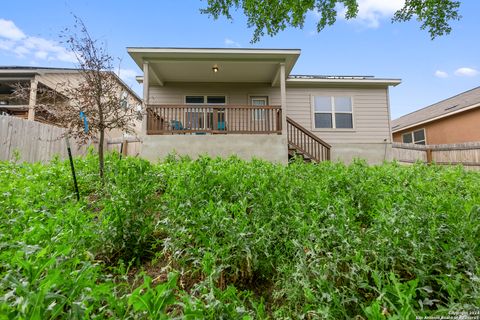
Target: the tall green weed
pixel 243 239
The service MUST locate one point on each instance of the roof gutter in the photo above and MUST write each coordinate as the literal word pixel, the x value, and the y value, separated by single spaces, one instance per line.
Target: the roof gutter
pixel 211 50
pixel 388 82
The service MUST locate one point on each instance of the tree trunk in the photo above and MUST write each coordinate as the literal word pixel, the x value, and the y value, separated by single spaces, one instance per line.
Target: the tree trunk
pixel 101 163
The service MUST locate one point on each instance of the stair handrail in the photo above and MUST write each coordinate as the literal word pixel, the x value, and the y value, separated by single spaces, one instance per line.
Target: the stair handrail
pixel 308 133
pixel 311 136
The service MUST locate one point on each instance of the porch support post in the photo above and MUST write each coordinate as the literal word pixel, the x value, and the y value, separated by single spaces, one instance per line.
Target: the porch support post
pixel 33 99
pixel 145 97
pixel 283 98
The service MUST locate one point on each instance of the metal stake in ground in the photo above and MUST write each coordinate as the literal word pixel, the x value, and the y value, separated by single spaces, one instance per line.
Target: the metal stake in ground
pixel 73 168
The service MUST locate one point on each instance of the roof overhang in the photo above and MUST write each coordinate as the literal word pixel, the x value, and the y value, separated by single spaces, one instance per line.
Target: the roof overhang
pixel 196 64
pixel 9 75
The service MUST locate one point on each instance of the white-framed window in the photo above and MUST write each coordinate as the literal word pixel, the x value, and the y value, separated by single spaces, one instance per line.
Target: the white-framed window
pixel 259 114
pixel 416 137
pixel 196 119
pixel 210 99
pixel 332 112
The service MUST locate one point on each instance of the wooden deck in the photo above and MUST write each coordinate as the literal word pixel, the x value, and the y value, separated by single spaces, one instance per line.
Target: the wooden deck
pixel 213 119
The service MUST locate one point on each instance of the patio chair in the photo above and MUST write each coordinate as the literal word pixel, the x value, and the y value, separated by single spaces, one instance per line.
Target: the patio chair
pixel 221 126
pixel 176 125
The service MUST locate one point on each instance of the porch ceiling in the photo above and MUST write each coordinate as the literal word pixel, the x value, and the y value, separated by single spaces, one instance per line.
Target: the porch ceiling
pixel 195 65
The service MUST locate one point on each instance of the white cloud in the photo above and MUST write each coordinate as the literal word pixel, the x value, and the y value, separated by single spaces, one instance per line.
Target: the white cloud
pixel 42 55
pixel 9 30
pixel 231 43
pixel 466 72
pixel 441 74
pixel 14 40
pixel 20 51
pixel 371 12
pixel 6 44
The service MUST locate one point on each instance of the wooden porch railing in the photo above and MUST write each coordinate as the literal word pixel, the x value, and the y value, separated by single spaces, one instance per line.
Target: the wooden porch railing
pixel 306 143
pixel 215 119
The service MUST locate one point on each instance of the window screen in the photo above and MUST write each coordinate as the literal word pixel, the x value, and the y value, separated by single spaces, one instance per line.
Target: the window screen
pixel 343 120
pixel 194 99
pixel 323 120
pixel 216 99
pixel 419 135
pixel 407 138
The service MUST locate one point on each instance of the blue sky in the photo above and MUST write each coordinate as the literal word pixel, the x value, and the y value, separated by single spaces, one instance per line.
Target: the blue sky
pixel 370 45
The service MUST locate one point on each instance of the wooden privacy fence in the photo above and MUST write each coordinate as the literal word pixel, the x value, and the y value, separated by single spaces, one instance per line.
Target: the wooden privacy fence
pixel 38 142
pixel 129 146
pixel 467 154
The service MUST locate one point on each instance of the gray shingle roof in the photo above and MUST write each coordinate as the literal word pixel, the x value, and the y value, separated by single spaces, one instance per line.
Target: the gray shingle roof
pixel 443 108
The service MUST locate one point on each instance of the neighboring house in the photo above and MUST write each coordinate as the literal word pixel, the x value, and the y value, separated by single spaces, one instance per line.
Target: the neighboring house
pixel 453 120
pixel 245 102
pixel 39 78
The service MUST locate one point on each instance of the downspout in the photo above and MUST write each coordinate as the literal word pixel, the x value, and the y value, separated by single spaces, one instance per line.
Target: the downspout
pixel 389 139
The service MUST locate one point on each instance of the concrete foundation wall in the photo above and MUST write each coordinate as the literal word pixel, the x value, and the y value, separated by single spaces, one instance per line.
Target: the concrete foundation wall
pixel 268 147
pixel 373 153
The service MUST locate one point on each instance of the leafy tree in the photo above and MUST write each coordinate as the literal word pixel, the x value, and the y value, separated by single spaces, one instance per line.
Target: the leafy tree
pixel 272 16
pixel 98 95
pixel 95 94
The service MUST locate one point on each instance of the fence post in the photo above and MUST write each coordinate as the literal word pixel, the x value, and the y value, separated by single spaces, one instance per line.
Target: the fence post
pixel 125 147
pixel 429 156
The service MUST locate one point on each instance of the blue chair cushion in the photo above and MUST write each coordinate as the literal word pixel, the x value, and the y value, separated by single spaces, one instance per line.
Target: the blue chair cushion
pixel 221 125
pixel 176 125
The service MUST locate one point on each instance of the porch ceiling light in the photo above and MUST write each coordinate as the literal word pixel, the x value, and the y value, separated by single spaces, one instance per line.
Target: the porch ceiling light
pixel 215 68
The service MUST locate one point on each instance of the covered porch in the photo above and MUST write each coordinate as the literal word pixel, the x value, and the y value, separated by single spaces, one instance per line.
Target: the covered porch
pixel 219 102
pixel 164 68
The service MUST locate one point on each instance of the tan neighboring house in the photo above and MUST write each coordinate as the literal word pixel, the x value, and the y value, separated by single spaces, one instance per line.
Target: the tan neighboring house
pixel 51 78
pixel 246 102
pixel 450 121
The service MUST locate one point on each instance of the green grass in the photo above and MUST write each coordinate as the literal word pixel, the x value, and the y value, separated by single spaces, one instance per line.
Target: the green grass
pixel 232 239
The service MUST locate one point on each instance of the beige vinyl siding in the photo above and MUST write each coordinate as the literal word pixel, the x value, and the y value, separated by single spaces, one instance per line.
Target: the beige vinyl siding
pixel 370 113
pixel 370 107
pixel 57 81
pixel 236 93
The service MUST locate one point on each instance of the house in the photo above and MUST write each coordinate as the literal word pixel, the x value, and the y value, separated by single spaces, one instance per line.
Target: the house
pixel 246 102
pixel 41 81
pixel 450 121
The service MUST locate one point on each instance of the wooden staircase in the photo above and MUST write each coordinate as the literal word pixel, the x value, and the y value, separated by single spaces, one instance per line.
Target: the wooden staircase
pixel 304 143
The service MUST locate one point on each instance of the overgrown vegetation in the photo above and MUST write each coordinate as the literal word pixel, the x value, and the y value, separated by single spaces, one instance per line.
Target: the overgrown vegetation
pixel 237 240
